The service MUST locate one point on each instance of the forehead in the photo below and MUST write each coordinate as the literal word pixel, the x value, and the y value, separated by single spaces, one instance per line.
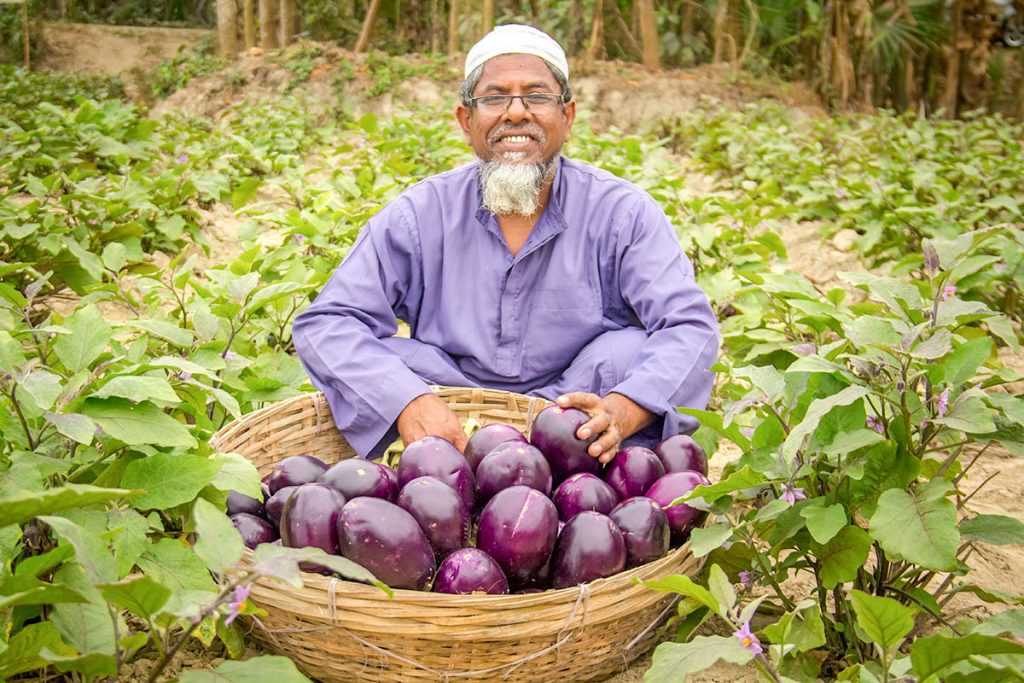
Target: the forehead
pixel 507 71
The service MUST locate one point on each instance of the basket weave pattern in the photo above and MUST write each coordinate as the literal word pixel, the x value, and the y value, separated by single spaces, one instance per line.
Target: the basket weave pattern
pixel 339 630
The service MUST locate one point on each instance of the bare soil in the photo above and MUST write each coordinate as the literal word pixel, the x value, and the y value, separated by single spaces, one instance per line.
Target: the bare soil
pixel 623 95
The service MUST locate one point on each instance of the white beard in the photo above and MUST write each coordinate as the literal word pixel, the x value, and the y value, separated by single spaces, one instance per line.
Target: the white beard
pixel 510 188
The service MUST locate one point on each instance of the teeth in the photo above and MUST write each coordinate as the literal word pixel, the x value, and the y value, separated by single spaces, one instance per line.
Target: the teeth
pixel 517 138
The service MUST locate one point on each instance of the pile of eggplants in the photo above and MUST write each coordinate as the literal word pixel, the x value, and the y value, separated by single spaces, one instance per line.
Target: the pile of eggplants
pixel 510 514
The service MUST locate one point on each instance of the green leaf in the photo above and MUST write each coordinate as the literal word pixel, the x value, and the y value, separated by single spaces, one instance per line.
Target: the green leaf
pixel 714 421
pixel 674 662
pixel 969 413
pixel 993 529
pixel 814 363
pixel 87 627
pixel 930 656
pixel 22 653
pixel 991 595
pixel 720 587
pixel 684 585
pixel 138 388
pixel 22 508
pixel 871 331
pixel 129 541
pixel 824 522
pixel 114 256
pixel 138 424
pixel 237 473
pixel 262 669
pixel 895 293
pixel 842 556
pixel 174 565
pixel 765 378
pixel 918 526
pixel 87 337
pixel 704 540
pixel 283 564
pixel 43 387
pixel 91 552
pixel 962 365
pixel 219 544
pixel 1010 622
pixel 76 427
pixel 169 480
pixel 802 629
pixel 744 478
pixel 818 409
pixel 884 620
pixel 167 331
pixel 937 345
pixel 141 596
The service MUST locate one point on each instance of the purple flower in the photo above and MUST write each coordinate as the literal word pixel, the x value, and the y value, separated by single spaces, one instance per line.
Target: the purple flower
pixel 241 593
pixel 748 579
pixel 931 258
pixel 748 640
pixel 183 376
pixel 792 494
pixel 840 193
pixel 804 349
pixel 230 354
pixel 299 237
pixel 875 423
pixel 182 159
pixel 948 291
pixel 942 402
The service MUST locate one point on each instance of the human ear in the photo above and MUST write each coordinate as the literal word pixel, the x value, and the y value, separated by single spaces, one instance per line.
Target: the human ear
pixel 462 115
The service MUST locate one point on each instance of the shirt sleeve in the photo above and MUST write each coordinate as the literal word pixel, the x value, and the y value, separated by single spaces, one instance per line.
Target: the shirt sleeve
pixel 673 367
pixel 338 338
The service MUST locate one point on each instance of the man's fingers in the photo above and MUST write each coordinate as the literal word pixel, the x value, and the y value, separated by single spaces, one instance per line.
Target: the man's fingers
pixel 605 447
pixel 596 425
pixel 579 399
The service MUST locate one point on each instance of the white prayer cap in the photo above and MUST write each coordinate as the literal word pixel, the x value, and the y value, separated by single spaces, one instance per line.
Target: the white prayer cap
pixel 515 39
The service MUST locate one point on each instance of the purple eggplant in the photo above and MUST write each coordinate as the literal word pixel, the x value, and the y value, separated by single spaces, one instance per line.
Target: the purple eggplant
pixel 512 463
pixel 633 470
pixel 433 456
pixel 439 511
pixel 644 527
pixel 681 517
pixel 254 530
pixel 354 477
pixel 554 433
pixel 386 540
pixel 275 504
pixel 583 491
pixel 680 453
pixel 591 547
pixel 295 471
pixel 470 570
pixel 310 517
pixel 486 438
pixel 518 528
pixel 239 502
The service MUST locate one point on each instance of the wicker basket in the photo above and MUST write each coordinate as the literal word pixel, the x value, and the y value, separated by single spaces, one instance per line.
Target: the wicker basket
pixel 339 630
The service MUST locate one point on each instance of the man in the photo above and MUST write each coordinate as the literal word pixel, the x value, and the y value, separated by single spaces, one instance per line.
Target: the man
pixel 525 271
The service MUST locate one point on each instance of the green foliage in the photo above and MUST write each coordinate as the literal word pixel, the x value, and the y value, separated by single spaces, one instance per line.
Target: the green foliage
pixel 896 180
pixel 176 73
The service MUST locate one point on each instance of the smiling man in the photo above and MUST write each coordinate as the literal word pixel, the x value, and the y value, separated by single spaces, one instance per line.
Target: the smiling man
pixel 525 271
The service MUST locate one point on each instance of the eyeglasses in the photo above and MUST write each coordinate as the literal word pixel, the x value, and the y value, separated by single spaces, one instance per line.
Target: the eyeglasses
pixel 537 102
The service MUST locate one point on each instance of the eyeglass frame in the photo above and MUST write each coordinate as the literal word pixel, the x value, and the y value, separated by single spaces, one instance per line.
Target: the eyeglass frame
pixel 559 100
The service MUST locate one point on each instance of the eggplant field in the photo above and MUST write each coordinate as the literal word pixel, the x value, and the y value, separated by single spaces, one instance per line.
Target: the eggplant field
pixel 853 507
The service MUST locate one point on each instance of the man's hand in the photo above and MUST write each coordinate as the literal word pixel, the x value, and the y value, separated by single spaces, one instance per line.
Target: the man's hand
pixel 429 415
pixel 614 417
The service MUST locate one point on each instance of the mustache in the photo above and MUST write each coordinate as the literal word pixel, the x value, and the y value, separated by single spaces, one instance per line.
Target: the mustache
pixel 530 129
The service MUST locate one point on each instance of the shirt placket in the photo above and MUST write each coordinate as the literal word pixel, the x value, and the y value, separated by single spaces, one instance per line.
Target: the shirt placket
pixel 508 355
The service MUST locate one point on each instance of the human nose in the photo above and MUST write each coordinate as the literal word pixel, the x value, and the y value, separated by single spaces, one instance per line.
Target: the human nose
pixel 516 111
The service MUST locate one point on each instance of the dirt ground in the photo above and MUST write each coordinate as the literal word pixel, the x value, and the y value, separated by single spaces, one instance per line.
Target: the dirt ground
pixel 617 94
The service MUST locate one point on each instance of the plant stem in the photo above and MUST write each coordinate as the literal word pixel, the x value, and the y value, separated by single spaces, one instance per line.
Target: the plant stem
pixel 154 674
pixel 21 417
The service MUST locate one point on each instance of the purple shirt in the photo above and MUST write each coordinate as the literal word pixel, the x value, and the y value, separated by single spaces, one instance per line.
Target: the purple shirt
pixel 601 257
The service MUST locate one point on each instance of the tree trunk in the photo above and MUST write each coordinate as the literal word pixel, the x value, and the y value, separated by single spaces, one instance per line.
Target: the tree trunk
pixel 627 36
pixel 249 23
pixel 688 18
pixel 488 17
pixel 722 37
pixel 435 26
pixel 949 97
pixel 268 24
pixel 453 27
pixel 227 28
pixel 287 22
pixel 595 50
pixel 364 35
pixel 649 35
